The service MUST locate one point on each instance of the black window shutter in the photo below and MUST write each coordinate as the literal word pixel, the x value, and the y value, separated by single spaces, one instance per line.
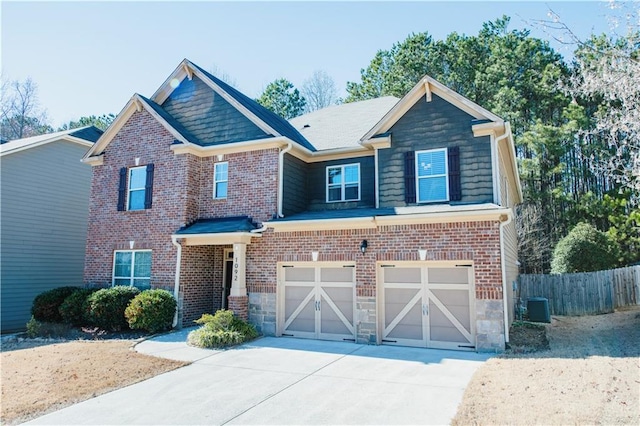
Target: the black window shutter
pixel 148 188
pixel 410 177
pixel 455 186
pixel 122 189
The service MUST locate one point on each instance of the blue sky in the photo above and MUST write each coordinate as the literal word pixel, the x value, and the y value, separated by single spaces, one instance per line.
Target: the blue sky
pixel 90 57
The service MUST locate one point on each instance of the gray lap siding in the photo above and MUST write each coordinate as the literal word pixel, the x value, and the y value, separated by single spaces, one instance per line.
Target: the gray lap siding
pixel 432 125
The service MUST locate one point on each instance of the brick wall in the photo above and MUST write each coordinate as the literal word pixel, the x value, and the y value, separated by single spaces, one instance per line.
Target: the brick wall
pixel 198 286
pixel 252 187
pixel 467 241
pixel 144 138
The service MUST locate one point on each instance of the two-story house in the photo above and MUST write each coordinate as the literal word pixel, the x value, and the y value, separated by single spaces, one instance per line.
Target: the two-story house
pixel 386 221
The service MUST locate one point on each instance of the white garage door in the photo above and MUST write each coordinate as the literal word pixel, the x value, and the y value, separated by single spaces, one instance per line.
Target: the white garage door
pixel 427 306
pixel 317 301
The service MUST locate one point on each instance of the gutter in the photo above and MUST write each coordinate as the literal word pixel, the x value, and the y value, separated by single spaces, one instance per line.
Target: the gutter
pixel 281 176
pixel 503 262
pixel 176 288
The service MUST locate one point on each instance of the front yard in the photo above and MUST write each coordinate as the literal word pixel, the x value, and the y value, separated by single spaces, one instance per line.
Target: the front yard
pixel 590 375
pixel 38 380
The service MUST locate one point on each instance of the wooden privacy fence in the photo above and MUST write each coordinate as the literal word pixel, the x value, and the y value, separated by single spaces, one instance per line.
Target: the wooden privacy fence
pixel 584 293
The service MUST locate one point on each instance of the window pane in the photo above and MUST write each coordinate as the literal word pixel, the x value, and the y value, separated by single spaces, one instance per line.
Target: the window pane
pixel 335 175
pixel 432 189
pixel 351 191
pixel 142 267
pixel 221 171
pixel 122 281
pixel 136 200
pixel 431 163
pixel 351 174
pixel 122 266
pixel 138 178
pixel 438 161
pixel 221 190
pixel 335 194
pixel 142 284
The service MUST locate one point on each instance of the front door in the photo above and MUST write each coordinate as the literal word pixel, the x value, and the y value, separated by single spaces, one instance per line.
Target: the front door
pixel 427 305
pixel 318 301
pixel 227 278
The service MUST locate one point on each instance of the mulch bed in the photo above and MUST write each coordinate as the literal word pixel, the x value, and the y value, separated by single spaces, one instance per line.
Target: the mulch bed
pixel 527 337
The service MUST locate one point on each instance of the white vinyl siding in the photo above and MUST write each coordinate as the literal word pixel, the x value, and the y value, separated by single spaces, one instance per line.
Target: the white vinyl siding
pixel 136 188
pixel 132 268
pixel 343 183
pixel 220 180
pixel 432 182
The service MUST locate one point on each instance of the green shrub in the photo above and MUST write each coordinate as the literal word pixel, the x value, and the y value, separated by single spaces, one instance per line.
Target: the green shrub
pixel 33 327
pixel 46 305
pixel 221 329
pixel 74 308
pixel 105 308
pixel 36 328
pixel 151 310
pixel 584 249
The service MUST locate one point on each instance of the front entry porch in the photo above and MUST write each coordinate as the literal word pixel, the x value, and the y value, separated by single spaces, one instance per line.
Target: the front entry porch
pixel 210 268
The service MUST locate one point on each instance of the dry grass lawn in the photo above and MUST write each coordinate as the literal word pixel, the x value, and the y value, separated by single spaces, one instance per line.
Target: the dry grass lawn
pixel 42 379
pixel 590 375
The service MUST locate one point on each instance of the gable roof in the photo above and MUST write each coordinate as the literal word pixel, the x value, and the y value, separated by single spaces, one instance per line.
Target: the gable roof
pixel 341 126
pixel 426 87
pixel 85 136
pixel 270 122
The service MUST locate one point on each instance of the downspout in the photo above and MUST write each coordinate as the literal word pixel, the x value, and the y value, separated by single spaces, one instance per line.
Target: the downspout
pixel 176 286
pixel 281 176
pixel 503 261
pixel 494 163
pixel 261 229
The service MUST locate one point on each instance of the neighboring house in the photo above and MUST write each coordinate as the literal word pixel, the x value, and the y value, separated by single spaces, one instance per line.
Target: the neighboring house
pixel 384 221
pixel 43 216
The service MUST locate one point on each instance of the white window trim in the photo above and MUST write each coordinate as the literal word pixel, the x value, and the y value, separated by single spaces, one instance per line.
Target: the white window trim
pixel 215 182
pixel 129 189
pixel 131 277
pixel 343 185
pixel 446 175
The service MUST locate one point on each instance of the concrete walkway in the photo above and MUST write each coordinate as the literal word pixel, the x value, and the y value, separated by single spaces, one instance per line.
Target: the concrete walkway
pixel 286 381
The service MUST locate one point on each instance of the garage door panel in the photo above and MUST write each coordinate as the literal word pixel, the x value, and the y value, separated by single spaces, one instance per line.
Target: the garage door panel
pixel 448 276
pixel 457 303
pixel 335 275
pixel 332 323
pixel 395 300
pixel 304 321
pixel 442 329
pixel 299 274
pixel 402 275
pixel 409 327
pixel 342 298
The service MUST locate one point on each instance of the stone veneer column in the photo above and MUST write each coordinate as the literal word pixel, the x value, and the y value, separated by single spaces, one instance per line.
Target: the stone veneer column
pixel 238 298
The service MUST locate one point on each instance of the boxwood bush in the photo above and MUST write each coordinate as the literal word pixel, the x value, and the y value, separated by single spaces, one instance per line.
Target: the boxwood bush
pixel 74 308
pixel 105 308
pixel 45 307
pixel 584 249
pixel 220 330
pixel 151 310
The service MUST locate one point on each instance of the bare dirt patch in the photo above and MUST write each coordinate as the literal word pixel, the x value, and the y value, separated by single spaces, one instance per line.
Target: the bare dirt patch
pixel 47 377
pixel 590 375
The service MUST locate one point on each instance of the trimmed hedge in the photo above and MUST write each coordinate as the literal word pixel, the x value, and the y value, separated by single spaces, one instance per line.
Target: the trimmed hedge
pixel 74 308
pixel 45 307
pixel 105 308
pixel 151 310
pixel 220 330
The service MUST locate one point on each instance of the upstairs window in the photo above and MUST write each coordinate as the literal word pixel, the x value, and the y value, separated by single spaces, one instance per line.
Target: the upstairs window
pixel 135 191
pixel 137 184
pixel 431 175
pixel 343 183
pixel 220 179
pixel 132 268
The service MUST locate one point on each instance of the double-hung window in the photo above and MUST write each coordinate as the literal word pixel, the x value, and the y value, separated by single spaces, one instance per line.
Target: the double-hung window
pixel 220 179
pixel 132 268
pixel 432 175
pixel 136 190
pixel 343 183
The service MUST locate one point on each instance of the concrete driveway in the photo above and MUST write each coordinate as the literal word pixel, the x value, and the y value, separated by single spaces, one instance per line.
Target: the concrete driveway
pixel 286 381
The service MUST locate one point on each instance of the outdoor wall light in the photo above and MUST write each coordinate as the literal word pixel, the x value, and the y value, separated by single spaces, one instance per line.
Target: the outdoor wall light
pixel 363 246
pixel 314 256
